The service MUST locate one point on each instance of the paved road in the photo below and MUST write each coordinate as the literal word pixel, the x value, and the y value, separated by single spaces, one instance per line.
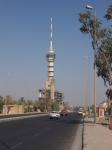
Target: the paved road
pixel 39 133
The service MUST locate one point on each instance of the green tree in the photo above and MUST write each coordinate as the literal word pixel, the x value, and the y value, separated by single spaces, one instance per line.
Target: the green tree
pixel 101 43
pixel 21 101
pixel 42 106
pixel 55 106
pixel 1 104
pixel 9 100
pixel 36 105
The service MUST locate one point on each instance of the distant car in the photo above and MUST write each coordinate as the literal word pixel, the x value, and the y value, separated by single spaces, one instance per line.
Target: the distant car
pixel 54 114
pixel 63 113
pixel 81 113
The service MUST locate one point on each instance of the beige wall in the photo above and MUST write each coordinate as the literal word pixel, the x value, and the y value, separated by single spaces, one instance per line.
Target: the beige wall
pixel 13 109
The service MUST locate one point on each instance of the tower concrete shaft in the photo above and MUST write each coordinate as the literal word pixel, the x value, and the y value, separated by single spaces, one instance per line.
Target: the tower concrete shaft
pixel 50 83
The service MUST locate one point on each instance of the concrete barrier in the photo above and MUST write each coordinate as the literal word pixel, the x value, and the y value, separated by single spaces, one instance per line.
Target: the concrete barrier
pixel 4 118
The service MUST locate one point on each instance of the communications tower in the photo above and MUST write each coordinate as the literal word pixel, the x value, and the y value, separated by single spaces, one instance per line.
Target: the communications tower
pixel 50 83
pixel 48 95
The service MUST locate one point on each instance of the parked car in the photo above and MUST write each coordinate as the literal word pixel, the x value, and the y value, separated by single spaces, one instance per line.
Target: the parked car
pixel 54 114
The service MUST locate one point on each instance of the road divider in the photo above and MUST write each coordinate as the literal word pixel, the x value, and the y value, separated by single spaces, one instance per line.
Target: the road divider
pixel 20 116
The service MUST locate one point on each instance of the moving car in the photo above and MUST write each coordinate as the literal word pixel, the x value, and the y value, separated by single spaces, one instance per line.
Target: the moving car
pixel 81 113
pixel 63 113
pixel 54 114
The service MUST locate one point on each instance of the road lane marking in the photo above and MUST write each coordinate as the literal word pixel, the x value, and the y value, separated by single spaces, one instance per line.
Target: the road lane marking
pixel 16 145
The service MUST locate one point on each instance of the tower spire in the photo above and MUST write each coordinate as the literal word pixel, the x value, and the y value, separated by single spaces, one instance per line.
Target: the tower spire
pixel 51 47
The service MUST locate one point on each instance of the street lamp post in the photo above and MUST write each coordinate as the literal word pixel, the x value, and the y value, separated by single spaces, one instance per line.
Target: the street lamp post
pixel 86 85
pixel 94 70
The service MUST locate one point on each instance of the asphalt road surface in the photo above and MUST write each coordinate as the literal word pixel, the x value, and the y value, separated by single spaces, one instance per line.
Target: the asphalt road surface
pixel 41 133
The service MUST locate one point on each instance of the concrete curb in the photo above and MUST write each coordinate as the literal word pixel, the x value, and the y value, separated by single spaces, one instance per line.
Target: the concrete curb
pixel 77 139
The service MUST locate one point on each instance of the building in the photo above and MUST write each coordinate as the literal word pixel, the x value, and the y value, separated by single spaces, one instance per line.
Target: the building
pixel 104 105
pixel 49 94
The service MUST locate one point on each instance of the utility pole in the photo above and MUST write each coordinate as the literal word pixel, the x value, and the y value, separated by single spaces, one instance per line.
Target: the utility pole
pixel 89 7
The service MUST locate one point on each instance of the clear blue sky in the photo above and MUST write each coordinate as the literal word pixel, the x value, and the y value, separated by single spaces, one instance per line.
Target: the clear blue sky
pixel 24 42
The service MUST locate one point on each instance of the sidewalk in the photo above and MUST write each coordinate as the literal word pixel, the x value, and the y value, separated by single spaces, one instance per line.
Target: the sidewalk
pixel 96 136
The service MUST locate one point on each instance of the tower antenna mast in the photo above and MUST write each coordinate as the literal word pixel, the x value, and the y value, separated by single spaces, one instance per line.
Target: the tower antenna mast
pixel 51 38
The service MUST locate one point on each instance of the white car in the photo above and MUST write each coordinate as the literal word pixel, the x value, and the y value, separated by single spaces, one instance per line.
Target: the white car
pixel 81 113
pixel 54 114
